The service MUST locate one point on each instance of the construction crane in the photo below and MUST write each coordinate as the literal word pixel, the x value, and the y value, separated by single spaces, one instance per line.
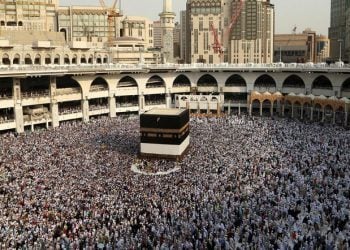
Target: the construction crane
pixel 235 15
pixel 217 46
pixel 111 13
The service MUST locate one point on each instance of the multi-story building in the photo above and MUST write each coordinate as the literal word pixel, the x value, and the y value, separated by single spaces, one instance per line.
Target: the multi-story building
pixel 157 34
pixel 72 35
pixel 183 36
pixel 347 32
pixel 322 48
pixel 337 30
pixel 138 27
pixel 301 48
pixel 232 31
pixel 83 26
pixel 33 15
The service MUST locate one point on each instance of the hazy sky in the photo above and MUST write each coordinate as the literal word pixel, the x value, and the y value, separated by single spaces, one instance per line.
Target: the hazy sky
pixel 312 14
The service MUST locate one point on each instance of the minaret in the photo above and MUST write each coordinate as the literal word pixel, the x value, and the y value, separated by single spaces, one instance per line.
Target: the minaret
pixel 167 18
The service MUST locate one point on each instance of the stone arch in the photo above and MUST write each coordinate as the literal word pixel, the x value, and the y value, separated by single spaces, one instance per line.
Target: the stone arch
pixel 83 59
pixel 255 106
pixel 6 59
pixel 182 81
pixel 345 88
pixel 155 82
pixel 322 82
pixel 235 81
pixel 66 59
pixel 57 59
pixel 16 59
pixel 288 107
pixel 6 87
pixel 184 98
pixel 35 86
pixel 37 59
pixel 105 59
pixel 293 83
pixel 207 80
pixel 214 99
pixel 64 31
pixel 127 82
pixel 265 83
pixel 75 59
pixel 91 59
pixel 48 59
pixel 98 59
pixel 68 82
pixel 266 106
pixel 99 84
pixel 28 59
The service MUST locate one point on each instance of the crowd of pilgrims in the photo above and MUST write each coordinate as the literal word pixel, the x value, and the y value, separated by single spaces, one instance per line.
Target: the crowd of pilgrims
pixel 246 182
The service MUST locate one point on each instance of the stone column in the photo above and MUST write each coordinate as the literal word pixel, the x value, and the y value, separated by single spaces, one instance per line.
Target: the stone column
pixel 346 119
pixel 54 105
pixel 292 110
pixel 168 100
pixel 18 110
pixel 141 103
pixel 250 109
pixel 208 107
pixel 85 109
pixel 261 108
pixel 271 109
pixel 323 114
pixel 312 113
pixel 112 106
pixel 229 108
pixel 239 108
pixel 283 109
pixel 302 112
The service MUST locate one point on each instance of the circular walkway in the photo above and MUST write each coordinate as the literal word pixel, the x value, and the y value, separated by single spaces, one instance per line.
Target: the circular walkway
pixel 135 169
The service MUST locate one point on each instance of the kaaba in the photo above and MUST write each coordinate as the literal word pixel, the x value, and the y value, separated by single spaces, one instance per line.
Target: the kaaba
pixel 164 133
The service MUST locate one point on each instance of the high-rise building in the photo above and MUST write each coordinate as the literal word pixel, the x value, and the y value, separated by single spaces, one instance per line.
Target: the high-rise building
pixel 337 30
pixel 183 36
pixel 233 31
pixel 30 15
pixel 167 22
pixel 347 32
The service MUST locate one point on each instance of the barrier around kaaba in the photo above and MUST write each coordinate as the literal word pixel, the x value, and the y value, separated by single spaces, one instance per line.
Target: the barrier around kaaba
pixel 165 133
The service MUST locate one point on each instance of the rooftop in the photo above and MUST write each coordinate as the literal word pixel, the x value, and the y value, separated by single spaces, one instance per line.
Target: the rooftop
pixel 164 112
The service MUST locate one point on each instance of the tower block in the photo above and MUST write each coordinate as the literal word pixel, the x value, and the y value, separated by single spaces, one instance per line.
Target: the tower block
pixel 164 133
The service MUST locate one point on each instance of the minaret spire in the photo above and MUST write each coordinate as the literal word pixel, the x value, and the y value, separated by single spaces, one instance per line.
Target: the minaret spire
pixel 167 18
